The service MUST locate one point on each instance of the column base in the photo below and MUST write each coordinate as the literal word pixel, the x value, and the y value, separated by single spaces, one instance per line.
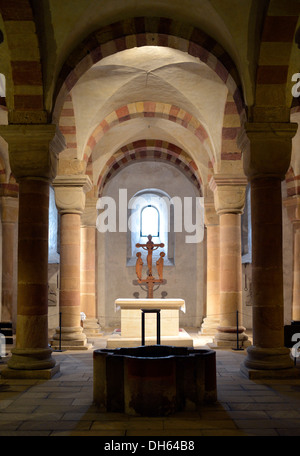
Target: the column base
pixel 71 338
pixel 30 374
pixel 30 363
pixel 91 328
pixel 269 363
pixel 71 346
pixel 257 374
pixel 229 339
pixel 209 326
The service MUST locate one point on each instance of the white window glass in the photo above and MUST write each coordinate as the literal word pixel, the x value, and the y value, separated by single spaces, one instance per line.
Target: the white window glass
pixel 149 221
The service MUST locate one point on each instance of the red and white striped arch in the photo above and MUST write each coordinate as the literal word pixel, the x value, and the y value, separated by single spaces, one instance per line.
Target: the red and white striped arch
pixel 148 150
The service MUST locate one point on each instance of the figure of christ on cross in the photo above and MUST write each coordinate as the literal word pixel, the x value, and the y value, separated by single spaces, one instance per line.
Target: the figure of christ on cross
pixel 150 281
pixel 150 246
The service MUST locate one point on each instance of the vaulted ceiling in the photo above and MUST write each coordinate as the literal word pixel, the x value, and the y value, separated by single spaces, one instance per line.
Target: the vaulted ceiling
pixel 172 80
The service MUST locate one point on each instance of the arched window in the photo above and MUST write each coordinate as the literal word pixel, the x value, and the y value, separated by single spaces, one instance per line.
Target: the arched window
pixel 149 213
pixel 149 223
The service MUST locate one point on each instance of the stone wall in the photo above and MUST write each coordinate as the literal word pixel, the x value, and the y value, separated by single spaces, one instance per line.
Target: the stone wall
pixel 185 279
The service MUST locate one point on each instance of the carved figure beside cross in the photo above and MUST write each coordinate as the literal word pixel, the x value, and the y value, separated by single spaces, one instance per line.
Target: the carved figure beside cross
pixel 150 246
pixel 150 280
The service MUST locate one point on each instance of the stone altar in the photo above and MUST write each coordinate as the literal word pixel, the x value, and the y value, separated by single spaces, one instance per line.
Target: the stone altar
pixel 131 318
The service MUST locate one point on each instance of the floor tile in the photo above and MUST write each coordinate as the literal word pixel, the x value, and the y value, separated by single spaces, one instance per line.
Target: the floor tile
pixel 63 405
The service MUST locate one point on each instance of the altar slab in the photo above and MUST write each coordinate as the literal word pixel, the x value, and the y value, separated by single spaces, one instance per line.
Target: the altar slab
pixel 131 328
pixel 148 303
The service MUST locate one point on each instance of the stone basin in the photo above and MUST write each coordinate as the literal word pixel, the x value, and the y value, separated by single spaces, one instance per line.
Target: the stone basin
pixel 154 380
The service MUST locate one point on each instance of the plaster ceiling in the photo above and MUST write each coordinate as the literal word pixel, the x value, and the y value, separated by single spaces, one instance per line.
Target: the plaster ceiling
pixel 152 129
pixel 162 75
pixel 71 21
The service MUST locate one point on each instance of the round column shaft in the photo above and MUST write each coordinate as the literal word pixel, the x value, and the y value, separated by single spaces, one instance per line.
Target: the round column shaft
pixel 230 282
pixel 212 320
pixel 267 157
pixel 88 280
pixel 32 351
pixel 9 206
pixel 267 262
pixel 229 193
pixel 90 324
pixel 292 205
pixel 296 274
pixel 69 296
pixel 33 162
pixel 70 200
pixel 88 271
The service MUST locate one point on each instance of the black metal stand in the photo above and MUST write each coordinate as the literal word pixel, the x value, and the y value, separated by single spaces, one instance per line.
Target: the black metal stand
pixel 157 311
pixel 237 333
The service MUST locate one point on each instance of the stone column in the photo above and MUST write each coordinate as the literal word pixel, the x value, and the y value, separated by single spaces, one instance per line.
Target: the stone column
pixel 88 269
pixel 212 319
pixel 229 198
pixel 293 209
pixel 9 216
pixel 267 156
pixel 34 165
pixel 70 201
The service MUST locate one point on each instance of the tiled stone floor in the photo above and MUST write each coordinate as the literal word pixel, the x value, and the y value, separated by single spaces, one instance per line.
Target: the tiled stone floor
pixel 63 405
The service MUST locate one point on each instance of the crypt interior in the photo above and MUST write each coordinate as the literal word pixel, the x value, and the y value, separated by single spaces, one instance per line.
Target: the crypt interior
pixel 193 101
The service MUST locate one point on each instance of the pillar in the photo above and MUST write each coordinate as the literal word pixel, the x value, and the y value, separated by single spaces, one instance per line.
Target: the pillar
pixel 33 165
pixel 267 154
pixel 70 201
pixel 212 320
pixel 229 199
pixel 292 205
pixel 9 217
pixel 88 269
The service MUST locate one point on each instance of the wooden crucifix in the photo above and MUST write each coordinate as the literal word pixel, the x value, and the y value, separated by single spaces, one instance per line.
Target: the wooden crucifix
pixel 150 280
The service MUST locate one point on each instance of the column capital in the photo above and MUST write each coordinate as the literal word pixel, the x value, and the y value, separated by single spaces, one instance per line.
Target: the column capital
pixel 229 193
pixel 267 148
pixel 70 193
pixel 32 151
pixel 292 205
